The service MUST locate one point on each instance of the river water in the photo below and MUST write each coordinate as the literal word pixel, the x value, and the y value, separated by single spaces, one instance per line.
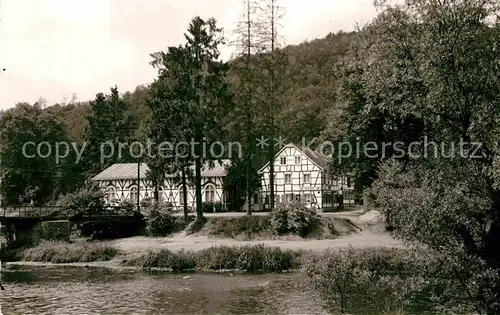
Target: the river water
pixel 76 290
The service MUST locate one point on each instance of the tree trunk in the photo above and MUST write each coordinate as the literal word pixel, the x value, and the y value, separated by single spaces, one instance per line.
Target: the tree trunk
pixel 197 179
pixel 249 187
pixel 184 190
pixel 271 172
pixel 273 99
pixel 492 238
pixel 248 109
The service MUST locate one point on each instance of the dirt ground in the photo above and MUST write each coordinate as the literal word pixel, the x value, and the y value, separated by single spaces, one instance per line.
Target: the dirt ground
pixel 368 234
pixel 362 239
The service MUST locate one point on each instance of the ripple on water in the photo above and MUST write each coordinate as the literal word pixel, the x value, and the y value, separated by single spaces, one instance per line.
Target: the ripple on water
pixel 107 292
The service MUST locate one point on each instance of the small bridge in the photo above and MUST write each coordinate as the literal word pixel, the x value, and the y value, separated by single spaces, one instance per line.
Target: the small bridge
pixel 74 214
pixel 17 220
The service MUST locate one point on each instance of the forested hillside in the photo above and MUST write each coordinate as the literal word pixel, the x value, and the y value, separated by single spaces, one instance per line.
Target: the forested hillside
pixel 311 83
pixel 308 86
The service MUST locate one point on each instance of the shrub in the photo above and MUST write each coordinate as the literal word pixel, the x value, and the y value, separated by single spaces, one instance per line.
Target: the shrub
pixel 235 227
pixel 147 202
pixel 158 207
pixel 180 261
pixel 217 258
pixel 294 218
pixel 387 277
pixel 55 230
pixel 56 252
pixel 127 206
pixel 90 201
pixel 208 207
pixel 162 222
pixel 212 207
pixel 278 219
pixel 248 258
pixel 218 207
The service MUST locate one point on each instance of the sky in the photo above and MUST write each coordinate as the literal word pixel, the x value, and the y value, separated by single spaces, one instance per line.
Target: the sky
pixel 54 49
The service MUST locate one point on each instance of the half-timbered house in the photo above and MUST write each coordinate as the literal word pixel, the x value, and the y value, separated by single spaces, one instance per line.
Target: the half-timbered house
pixel 303 175
pixel 120 182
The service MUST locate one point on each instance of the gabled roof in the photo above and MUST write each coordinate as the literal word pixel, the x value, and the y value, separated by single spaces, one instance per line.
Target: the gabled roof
pixel 317 159
pixel 129 171
pixel 122 171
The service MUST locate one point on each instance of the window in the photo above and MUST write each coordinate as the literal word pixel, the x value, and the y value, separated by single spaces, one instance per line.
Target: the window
pixel 283 160
pixel 349 182
pixel 297 160
pixel 111 193
pixel 288 178
pixel 133 194
pixel 209 193
pixel 307 178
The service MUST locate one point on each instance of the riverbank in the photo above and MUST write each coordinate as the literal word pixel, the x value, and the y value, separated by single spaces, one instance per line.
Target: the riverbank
pixel 342 230
pixel 128 249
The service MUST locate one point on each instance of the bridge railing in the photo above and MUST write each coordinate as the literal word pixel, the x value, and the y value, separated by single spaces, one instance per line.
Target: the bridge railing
pixel 62 211
pixel 27 211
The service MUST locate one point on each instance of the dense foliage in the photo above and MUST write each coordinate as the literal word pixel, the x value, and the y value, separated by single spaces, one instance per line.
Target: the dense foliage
pixel 162 222
pixel 83 200
pixel 236 185
pixel 190 97
pixel 26 176
pixel 249 258
pixel 427 72
pixel 387 278
pixel 308 96
pixel 294 218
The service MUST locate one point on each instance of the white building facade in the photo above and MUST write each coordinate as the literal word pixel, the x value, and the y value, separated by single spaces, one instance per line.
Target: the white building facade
pixel 302 175
pixel 120 183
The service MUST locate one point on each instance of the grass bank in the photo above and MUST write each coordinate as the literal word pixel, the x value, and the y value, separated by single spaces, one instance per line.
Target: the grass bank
pixel 61 252
pixel 286 220
pixel 258 258
pixel 259 228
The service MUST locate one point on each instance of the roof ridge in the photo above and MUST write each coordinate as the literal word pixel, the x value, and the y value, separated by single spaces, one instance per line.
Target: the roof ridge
pixel 129 170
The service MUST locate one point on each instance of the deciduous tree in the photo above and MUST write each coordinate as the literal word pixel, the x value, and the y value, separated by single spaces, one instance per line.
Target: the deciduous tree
pixel 437 62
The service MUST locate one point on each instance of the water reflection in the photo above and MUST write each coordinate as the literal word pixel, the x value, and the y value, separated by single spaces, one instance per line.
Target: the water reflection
pixel 61 290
